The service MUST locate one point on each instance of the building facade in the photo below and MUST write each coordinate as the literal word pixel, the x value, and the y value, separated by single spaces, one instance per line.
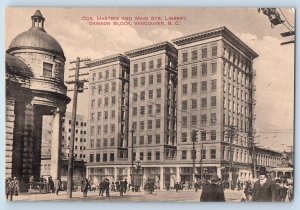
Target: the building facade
pixel 202 84
pixel 108 118
pixel 35 88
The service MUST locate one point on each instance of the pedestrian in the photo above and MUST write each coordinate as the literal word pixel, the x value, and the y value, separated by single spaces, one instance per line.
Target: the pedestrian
pixel 213 192
pixel 102 186
pixel 57 185
pixel 248 191
pixel 107 188
pixel 9 188
pixel 85 187
pixel 125 186
pixel 167 185
pixel 177 186
pixel 17 186
pixel 264 188
pixel 51 184
pixel 113 187
pixel 121 187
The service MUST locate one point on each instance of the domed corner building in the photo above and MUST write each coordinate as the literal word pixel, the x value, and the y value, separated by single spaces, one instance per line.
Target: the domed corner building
pixel 34 88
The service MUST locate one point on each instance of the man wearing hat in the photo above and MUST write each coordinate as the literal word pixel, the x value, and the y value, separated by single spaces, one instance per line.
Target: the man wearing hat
pixel 213 192
pixel 264 188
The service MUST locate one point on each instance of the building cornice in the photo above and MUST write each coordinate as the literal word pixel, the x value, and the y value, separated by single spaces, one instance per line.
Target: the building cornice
pixel 108 59
pixel 152 48
pixel 222 31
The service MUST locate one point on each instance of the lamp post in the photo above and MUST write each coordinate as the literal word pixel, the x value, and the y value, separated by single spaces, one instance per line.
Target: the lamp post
pixel 132 158
pixel 138 167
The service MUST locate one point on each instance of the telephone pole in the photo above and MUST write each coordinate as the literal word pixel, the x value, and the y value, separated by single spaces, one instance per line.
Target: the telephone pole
pixel 132 132
pixel 194 139
pixel 78 88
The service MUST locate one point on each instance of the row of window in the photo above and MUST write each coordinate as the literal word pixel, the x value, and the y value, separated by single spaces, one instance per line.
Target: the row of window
pixel 237 155
pixel 106 74
pixel 143 80
pixel 105 129
pixel 150 124
pixel 105 157
pixel 149 155
pixel 194 70
pixel 239 123
pixel 235 91
pixel 76 139
pixel 195 54
pixel 231 105
pixel 236 58
pixel 203 119
pixel 77 123
pixel 76 131
pixel 194 103
pixel 203 136
pixel 105 144
pixel 106 88
pixel 142 96
pixel 235 75
pixel 203 153
pixel 108 101
pixel 106 115
pixel 143 65
pixel 143 110
pixel 203 86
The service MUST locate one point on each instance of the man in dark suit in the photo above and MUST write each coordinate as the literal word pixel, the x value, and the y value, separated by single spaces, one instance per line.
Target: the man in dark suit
pixel 213 192
pixel 264 189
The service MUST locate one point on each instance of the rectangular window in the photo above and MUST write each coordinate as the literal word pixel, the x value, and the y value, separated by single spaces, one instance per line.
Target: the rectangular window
pixel 134 97
pixel 213 118
pixel 106 101
pixel 213 85
pixel 184 137
pixel 106 115
pixel 112 142
pixel 157 139
pixel 142 125
pixel 194 103
pixel 141 140
pixel 203 119
pixel 143 66
pixel 204 86
pixel 104 157
pixel 112 128
pixel 141 156
pixel 184 105
pixel 150 94
pixel 157 108
pixel 151 80
pixel 105 142
pixel 149 155
pixel 135 82
pixel 113 86
pixel 203 135
pixel 106 88
pixel 193 154
pixel 113 114
pixel 142 81
pixel 142 110
pixel 194 87
pixel 158 78
pixel 135 68
pixel 151 65
pixel 142 95
pixel 149 109
pixel 150 139
pixel 203 102
pixel 214 51
pixel 213 135
pixel 184 57
pixel 213 101
pixel 134 111
pixel 92 143
pixel 106 74
pixel 204 53
pixel 184 121
pixel 91 157
pixel 112 157
pixel 214 68
pixel 183 154
pixel 194 120
pixel 47 69
pixel 212 154
pixel 194 55
pixel 149 124
pixel 97 157
pixel 113 100
pixel 184 89
pixel 157 123
pixel 204 69
pixel 203 154
pixel 184 73
pixel 158 93
pixel 157 155
pixel 159 61
pixel 194 71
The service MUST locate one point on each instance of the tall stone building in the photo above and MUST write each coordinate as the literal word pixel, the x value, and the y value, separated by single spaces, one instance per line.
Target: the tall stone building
pixel 108 118
pixel 35 88
pixel 202 82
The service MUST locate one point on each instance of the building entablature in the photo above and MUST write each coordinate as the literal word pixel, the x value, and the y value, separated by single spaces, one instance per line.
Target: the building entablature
pixel 109 59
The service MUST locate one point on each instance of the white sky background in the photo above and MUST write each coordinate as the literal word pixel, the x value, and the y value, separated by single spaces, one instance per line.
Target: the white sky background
pixel 274 66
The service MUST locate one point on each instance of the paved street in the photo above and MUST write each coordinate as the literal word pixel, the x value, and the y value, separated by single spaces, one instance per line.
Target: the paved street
pixel 158 196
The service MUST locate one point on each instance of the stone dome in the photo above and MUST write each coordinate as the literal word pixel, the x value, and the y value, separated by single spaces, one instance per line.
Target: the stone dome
pixel 36 38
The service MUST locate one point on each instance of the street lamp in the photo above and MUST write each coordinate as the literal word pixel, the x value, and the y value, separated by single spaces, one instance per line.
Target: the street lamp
pixel 138 167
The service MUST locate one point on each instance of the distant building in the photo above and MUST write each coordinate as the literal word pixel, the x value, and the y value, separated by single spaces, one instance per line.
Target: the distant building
pixel 80 146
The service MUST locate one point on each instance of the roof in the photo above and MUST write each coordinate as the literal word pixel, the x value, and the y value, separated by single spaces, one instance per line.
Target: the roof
pixel 15 66
pixel 36 38
pixel 222 31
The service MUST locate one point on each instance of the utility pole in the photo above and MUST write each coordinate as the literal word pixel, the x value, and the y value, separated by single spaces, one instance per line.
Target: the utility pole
pixel 78 88
pixel 201 159
pixel 194 139
pixel 132 132
pixel 231 134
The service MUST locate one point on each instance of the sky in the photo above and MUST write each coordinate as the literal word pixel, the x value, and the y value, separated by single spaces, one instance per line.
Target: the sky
pixel 274 66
